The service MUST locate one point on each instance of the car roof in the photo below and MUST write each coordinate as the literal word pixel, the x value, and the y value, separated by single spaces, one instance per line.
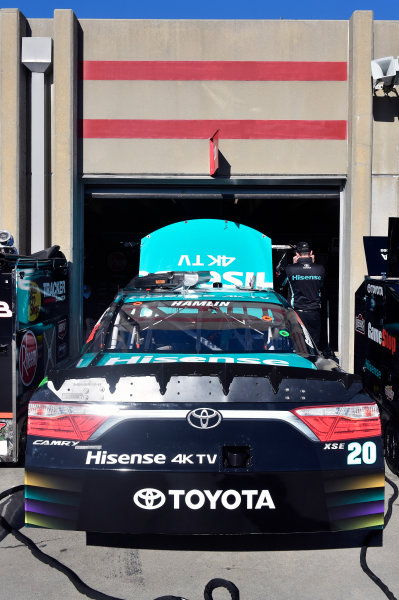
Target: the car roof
pixel 203 294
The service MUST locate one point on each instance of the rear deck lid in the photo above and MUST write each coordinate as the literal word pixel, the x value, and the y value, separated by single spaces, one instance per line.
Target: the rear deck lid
pixel 234 253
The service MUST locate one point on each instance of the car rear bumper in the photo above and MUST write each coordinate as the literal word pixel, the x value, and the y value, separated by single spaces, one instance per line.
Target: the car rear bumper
pixel 152 503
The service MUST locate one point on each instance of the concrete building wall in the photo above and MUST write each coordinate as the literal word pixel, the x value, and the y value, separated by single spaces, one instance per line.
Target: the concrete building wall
pixel 385 136
pixel 355 208
pixel 41 27
pixel 13 127
pixel 385 203
pixel 256 81
pixel 66 191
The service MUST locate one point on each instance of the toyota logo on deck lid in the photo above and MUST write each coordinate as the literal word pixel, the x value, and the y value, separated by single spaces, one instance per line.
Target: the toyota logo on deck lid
pixel 27 358
pixel 149 498
pixel 204 418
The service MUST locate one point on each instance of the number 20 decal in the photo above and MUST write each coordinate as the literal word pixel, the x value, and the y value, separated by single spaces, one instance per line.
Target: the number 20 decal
pixel 359 453
pixel 5 309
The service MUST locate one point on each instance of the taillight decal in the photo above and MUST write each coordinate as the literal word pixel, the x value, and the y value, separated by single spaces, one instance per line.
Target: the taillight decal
pixel 63 421
pixel 341 422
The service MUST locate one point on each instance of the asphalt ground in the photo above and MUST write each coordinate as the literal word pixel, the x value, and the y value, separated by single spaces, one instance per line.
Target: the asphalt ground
pixel 128 574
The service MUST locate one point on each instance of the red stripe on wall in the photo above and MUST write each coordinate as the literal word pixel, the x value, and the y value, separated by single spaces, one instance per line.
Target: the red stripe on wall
pixel 204 129
pixel 174 70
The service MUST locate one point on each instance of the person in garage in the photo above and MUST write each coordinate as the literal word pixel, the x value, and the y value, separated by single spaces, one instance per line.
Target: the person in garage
pixel 305 280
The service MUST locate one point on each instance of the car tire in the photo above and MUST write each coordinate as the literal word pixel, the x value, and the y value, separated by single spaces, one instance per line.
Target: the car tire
pixel 391 446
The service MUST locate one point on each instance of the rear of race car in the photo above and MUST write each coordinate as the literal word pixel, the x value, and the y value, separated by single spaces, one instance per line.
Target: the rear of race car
pixel 201 413
pixel 212 449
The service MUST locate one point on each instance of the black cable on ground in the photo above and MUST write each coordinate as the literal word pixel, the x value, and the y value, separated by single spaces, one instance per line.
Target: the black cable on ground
pixel 11 491
pixel 363 563
pixel 82 587
pixel 212 585
pixel 392 499
pixel 221 583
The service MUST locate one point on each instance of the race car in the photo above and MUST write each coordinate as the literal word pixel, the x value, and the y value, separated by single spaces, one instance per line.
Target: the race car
pixel 204 408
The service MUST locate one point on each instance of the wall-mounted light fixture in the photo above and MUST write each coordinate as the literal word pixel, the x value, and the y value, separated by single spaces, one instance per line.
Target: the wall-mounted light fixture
pixel 385 73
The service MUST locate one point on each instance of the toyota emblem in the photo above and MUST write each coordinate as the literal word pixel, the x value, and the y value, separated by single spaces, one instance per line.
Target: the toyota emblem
pixel 204 418
pixel 149 498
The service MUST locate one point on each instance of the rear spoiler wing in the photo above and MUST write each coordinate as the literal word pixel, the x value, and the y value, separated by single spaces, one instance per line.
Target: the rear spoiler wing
pixel 279 378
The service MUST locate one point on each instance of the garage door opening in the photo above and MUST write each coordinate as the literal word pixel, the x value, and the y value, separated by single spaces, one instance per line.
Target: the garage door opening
pixel 115 221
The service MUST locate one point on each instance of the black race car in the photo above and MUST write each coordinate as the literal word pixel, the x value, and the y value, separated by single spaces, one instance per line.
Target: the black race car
pixel 204 410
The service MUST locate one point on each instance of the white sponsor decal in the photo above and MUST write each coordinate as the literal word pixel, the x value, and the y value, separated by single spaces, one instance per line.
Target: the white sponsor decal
pixel 360 324
pixel 382 337
pixel 5 310
pixel 362 453
pixel 54 289
pixel 229 279
pixel 182 303
pixel 209 261
pixel 149 358
pixel 376 290
pixel 54 443
pixel 183 459
pixel 151 499
pixel 105 458
pixel 374 334
pixel 334 446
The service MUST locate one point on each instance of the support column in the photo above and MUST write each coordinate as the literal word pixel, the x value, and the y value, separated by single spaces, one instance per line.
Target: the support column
pixel 13 181
pixel 356 204
pixel 67 205
pixel 36 56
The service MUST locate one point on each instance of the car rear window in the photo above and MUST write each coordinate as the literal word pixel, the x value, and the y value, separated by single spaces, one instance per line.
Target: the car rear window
pixel 203 327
